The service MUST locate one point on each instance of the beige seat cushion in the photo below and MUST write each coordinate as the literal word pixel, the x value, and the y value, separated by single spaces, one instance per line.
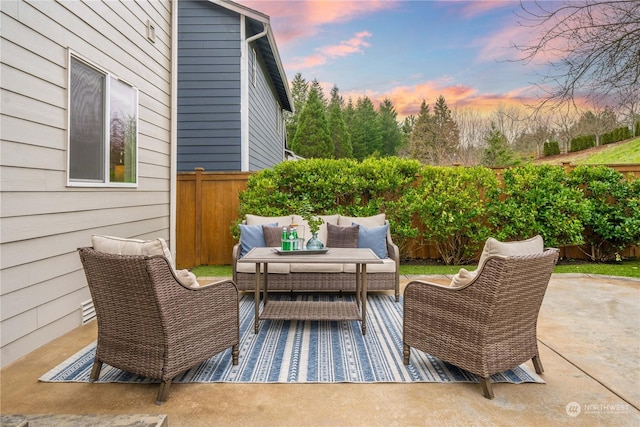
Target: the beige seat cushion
pixel 534 245
pixel 388 266
pixel 274 267
pixel 121 246
pixel 316 268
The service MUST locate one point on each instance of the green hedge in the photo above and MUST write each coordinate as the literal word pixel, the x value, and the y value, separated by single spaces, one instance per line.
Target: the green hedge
pixel 455 208
pixel 614 210
pixel 451 204
pixel 582 142
pixel 551 148
pixel 538 200
pixel 619 134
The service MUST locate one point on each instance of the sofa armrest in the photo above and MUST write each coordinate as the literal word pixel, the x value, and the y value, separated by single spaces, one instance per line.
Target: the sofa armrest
pixel 235 256
pixel 393 250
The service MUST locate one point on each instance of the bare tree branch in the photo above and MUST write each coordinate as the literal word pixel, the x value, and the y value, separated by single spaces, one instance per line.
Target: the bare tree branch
pixel 591 47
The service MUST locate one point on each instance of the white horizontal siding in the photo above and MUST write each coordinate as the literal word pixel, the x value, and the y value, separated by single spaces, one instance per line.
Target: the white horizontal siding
pixel 41 294
pixel 32 250
pixel 15 130
pixel 25 275
pixel 29 227
pixel 39 203
pixel 29 342
pixel 43 220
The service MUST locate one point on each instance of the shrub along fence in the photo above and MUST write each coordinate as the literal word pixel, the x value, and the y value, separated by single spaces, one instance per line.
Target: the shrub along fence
pixel 446 213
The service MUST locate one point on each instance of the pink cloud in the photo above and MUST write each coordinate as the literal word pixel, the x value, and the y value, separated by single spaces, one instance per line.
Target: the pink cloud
pixel 303 18
pixel 407 98
pixel 344 48
pixel 472 9
pixel 307 62
pixel 347 47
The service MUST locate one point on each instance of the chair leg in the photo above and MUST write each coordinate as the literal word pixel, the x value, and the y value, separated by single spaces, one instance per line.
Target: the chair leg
pixel 95 371
pixel 537 363
pixel 406 352
pixel 163 393
pixel 487 388
pixel 235 352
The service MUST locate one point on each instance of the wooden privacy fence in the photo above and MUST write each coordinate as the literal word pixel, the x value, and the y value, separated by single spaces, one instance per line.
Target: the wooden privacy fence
pixel 207 206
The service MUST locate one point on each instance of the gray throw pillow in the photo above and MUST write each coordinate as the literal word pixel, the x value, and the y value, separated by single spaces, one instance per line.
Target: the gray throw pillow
pixel 272 235
pixel 342 237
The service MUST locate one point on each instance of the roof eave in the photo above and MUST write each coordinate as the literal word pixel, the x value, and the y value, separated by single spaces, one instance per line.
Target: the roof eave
pixel 286 100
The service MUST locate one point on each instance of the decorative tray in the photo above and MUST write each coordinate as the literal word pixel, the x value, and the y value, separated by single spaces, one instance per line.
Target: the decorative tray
pixel 301 251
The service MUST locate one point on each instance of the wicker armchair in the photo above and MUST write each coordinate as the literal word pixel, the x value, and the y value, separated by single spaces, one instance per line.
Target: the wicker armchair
pixel 486 326
pixel 152 325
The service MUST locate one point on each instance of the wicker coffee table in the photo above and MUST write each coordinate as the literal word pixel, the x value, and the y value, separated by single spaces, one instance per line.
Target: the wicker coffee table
pixel 312 310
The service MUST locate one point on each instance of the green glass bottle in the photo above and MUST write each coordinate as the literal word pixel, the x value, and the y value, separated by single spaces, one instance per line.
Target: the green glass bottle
pixel 286 246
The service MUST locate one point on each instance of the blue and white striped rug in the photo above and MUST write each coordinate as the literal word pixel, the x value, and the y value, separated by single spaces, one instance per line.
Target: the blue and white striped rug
pixel 307 352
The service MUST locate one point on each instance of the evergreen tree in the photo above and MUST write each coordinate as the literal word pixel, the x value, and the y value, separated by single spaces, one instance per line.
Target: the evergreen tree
pixel 435 137
pixel 366 135
pixel 420 140
pixel 497 152
pixel 446 133
pixel 349 113
pixel 338 130
pixel 407 127
pixel 392 137
pixel 299 93
pixel 312 135
pixel 315 85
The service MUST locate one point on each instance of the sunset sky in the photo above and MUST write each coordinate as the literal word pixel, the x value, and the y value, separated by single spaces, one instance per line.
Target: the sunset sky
pixel 406 51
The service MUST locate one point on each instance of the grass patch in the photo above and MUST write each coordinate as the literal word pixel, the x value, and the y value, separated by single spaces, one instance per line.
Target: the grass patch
pixel 212 271
pixel 627 153
pixel 630 268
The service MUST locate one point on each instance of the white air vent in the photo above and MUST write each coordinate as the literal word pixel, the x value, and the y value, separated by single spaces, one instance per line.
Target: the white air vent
pixel 88 311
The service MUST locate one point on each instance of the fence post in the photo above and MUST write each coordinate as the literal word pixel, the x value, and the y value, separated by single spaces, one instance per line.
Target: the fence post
pixel 198 213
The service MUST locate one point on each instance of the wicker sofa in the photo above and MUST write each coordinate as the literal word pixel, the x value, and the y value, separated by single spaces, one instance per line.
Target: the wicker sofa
pixel 319 277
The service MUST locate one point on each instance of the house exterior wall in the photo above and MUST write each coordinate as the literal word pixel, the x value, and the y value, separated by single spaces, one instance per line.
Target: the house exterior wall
pixel 44 220
pixel 209 55
pixel 266 126
pixel 210 93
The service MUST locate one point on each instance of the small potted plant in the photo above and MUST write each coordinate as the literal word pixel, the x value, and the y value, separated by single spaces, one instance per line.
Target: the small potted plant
pixel 314 222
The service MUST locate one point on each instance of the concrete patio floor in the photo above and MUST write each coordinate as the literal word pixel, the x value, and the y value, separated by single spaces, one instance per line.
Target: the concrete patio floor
pixel 589 333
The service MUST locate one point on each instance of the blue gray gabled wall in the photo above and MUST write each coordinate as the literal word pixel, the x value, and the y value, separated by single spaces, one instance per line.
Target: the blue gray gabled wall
pixel 212 130
pixel 208 87
pixel 266 135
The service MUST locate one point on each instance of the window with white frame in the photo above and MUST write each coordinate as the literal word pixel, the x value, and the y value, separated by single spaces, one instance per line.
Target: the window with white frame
pixel 103 128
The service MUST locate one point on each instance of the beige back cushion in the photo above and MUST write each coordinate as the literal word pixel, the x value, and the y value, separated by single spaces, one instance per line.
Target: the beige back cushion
pixel 367 221
pixel 283 221
pixel 534 245
pixel 120 246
